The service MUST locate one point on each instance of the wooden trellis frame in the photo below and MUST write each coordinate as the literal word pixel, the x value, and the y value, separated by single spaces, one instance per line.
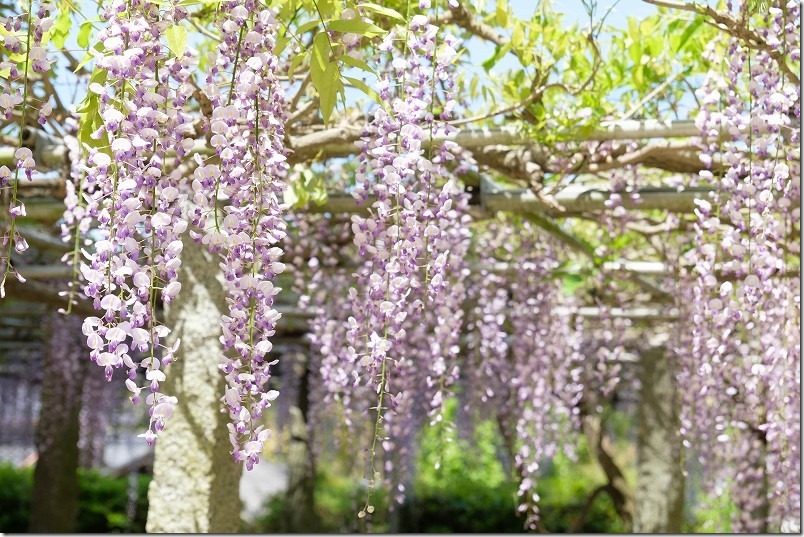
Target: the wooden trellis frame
pixel 51 155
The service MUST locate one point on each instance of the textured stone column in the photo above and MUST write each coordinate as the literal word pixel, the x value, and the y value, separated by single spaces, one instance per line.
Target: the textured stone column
pixel 196 482
pixel 660 481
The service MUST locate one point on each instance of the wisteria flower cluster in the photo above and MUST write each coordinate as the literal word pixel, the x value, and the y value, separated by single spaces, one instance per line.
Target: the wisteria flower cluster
pixel 129 191
pixel 134 200
pixel 526 359
pixel 23 38
pixel 247 127
pixel 743 355
pixel 411 240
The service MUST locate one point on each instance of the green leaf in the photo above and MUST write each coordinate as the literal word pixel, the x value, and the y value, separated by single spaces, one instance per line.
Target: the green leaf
pixel 290 197
pixel 517 35
pixel 307 26
pixel 61 28
pixel 319 196
pixel 83 34
pixel 309 187
pixel 99 76
pixel 322 51
pixel 635 52
pixel 362 86
pixel 328 92
pixel 325 75
pixel 380 10
pixel 356 26
pixel 693 26
pixel 499 52
pixel 88 57
pixel 281 43
pixel 501 14
pixel 354 62
pixel 91 54
pixel 326 8
pixel 177 39
pixel 295 62
pixel 571 282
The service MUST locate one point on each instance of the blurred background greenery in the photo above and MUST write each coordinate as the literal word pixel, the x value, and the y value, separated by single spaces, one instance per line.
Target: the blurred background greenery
pixel 471 491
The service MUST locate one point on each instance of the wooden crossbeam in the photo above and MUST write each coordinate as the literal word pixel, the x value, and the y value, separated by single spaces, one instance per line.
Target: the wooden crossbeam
pixel 50 152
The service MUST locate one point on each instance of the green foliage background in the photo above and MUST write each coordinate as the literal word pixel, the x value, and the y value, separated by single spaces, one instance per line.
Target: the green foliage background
pixel 102 501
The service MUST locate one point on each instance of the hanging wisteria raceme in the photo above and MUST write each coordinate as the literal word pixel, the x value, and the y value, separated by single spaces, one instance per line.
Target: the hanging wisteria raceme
pixel 488 371
pixel 531 376
pixel 603 372
pixel 406 239
pixel 134 200
pixel 320 249
pixel 546 382
pixel 247 126
pixel 336 374
pixel 320 271
pixel 744 350
pixel 23 54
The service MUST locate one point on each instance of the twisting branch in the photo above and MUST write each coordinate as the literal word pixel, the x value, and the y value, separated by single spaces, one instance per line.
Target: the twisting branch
pixel 460 16
pixel 294 103
pixel 668 155
pixel 601 449
pixel 204 31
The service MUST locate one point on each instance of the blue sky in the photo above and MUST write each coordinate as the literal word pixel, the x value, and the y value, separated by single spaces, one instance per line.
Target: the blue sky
pixel 575 11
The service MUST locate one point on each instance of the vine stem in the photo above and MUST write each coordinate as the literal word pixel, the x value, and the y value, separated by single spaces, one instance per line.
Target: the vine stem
pixel 228 103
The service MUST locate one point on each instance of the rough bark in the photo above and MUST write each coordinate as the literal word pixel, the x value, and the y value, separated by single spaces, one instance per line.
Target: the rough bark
pixel 54 499
pixel 196 482
pixel 660 478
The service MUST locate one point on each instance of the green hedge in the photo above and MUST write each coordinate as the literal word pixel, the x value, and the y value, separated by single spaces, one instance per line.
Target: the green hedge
pixel 102 502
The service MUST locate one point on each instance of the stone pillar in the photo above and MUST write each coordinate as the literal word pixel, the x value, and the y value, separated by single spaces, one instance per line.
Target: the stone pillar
pixel 195 488
pixel 301 515
pixel 301 479
pixel 660 481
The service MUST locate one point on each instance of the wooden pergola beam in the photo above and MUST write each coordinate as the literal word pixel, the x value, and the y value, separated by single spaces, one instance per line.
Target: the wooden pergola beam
pixel 50 152
pixel 575 200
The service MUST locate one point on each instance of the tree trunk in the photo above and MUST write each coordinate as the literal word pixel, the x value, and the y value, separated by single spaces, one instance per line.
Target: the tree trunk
pixel 54 499
pixel 601 449
pixel 660 478
pixel 195 488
